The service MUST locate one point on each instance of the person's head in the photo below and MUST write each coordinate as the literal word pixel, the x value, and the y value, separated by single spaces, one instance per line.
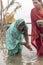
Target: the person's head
pixel 21 26
pixel 20 23
pixel 37 3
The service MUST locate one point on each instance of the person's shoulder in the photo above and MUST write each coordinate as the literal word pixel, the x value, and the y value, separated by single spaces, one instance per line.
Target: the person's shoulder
pixel 12 24
pixel 33 10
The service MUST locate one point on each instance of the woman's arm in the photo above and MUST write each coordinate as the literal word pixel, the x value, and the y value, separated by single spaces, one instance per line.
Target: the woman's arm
pixel 27 40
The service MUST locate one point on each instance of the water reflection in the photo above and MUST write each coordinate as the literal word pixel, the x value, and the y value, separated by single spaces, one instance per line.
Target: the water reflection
pixel 27 58
pixel 14 60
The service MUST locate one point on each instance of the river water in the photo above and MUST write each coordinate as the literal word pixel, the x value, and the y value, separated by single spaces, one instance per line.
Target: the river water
pixel 26 58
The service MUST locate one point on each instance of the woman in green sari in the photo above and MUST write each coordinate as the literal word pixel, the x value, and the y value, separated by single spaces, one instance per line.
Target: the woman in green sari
pixel 14 36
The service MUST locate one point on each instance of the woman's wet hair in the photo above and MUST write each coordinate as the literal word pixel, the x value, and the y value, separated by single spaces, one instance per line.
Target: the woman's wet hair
pixel 23 23
pixel 40 0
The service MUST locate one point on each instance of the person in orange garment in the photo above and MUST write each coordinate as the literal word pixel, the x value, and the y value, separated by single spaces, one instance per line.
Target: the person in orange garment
pixel 37 26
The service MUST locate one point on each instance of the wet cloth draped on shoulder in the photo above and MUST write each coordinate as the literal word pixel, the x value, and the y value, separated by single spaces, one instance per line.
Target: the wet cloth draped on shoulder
pixel 13 35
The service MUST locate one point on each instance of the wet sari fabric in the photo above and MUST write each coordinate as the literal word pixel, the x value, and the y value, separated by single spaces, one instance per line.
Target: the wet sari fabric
pixel 14 37
pixel 36 40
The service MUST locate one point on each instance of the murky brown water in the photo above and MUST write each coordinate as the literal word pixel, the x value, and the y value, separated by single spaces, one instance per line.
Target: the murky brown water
pixel 27 58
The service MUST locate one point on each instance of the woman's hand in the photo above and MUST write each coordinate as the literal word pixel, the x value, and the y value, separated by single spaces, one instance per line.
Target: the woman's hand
pixel 40 23
pixel 28 46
